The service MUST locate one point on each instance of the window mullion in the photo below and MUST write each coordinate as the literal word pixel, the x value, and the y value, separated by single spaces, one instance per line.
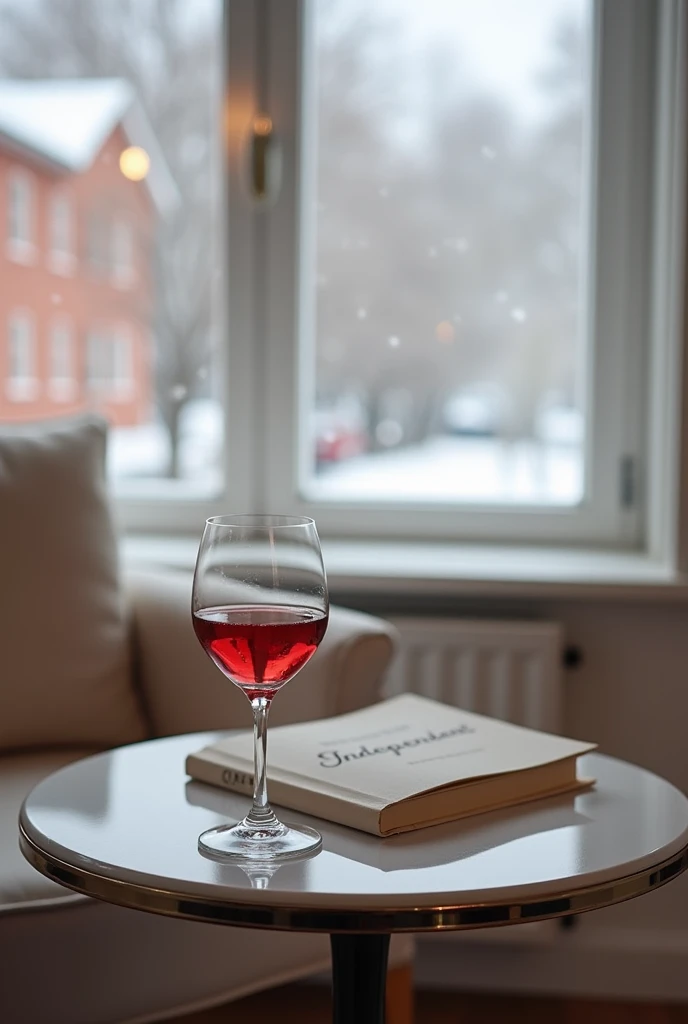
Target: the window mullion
pixel 242 343
pixel 285 371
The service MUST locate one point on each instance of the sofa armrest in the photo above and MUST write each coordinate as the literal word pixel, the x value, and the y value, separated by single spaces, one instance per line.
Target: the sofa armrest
pixel 183 691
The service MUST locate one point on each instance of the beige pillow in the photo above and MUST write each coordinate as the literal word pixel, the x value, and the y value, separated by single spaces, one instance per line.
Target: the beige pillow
pixel 64 661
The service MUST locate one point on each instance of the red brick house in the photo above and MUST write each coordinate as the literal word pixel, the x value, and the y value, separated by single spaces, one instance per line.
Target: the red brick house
pixel 76 248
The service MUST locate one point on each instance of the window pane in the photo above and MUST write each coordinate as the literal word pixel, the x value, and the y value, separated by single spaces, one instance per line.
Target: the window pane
pixel 97 363
pixel 110 168
pixel 62 383
pixel 60 224
pixel 61 364
pixel 123 374
pixel 123 253
pixel 21 383
pixel 450 251
pixel 19 212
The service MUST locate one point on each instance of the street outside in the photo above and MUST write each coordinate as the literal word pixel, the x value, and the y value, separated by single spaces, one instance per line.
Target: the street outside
pixel 441 469
pixel 452 469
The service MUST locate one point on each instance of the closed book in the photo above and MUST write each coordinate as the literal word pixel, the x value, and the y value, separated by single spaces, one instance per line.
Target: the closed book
pixel 399 765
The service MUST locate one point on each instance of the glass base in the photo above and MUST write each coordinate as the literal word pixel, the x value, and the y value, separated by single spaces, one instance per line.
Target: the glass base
pixel 243 842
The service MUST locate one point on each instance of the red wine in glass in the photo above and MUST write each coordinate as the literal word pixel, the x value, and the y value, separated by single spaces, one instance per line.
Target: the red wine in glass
pixel 260 647
pixel 260 608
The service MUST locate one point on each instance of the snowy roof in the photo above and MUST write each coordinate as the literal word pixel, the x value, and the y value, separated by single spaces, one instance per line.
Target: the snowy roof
pixel 67 121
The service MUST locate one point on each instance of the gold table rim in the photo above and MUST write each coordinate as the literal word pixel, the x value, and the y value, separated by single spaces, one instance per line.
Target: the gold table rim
pixel 451 917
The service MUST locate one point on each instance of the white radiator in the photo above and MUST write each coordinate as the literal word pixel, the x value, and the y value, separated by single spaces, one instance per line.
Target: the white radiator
pixel 509 670
pixel 506 669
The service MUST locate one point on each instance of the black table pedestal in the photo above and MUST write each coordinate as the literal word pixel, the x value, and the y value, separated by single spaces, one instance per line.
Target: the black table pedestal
pixel 359 976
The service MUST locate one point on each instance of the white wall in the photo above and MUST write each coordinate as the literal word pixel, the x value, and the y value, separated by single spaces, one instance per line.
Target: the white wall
pixel 630 694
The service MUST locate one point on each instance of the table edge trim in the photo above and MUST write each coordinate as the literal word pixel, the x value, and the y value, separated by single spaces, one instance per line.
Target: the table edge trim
pixel 454 917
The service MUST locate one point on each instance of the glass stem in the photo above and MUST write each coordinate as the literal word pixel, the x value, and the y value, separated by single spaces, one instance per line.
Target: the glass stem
pixel 261 814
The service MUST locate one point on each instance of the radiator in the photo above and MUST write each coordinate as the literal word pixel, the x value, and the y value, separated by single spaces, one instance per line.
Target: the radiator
pixel 509 670
pixel 506 669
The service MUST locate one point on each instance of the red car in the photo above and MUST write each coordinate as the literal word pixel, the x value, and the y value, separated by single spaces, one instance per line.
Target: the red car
pixel 335 440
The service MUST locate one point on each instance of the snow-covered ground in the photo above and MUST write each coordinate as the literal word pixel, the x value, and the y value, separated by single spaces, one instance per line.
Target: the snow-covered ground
pixel 449 469
pixel 139 457
pixel 443 469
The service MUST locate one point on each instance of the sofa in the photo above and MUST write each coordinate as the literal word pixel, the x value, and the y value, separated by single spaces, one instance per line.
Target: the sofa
pixel 94 658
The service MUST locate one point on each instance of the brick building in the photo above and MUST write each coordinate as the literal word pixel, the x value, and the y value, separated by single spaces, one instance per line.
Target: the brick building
pixel 76 248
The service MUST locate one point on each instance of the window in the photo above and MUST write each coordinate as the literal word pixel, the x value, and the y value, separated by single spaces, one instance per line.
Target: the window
pixel 62 385
pixel 97 254
pixel 449 233
pixel 123 380
pixel 21 383
pixel 98 363
pixel 122 253
pixel 20 214
pixel 428 293
pixel 110 363
pixel 454 338
pixel 61 235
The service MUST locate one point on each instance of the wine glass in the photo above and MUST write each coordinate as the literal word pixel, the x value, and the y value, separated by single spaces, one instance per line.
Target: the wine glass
pixel 260 608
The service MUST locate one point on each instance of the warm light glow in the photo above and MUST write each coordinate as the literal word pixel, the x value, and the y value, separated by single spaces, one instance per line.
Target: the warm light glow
pixel 262 124
pixel 134 163
pixel 444 332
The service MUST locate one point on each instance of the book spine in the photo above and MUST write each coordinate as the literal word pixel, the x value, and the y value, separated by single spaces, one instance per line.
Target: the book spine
pixel 320 805
pixel 217 775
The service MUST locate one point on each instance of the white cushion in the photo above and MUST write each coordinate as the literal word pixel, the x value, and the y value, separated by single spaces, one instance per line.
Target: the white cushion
pixel 64 674
pixel 185 692
pixel 20 884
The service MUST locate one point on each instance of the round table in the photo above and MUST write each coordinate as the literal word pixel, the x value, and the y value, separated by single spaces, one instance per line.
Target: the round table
pixel 123 826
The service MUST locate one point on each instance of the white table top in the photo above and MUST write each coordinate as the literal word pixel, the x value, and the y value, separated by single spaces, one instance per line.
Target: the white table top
pixel 124 825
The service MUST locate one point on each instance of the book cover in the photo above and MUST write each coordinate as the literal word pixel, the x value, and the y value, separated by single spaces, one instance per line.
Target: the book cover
pixel 402 764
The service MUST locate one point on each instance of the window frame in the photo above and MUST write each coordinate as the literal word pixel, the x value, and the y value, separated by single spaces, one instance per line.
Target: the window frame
pixel 261 362
pixel 110 360
pixel 621 174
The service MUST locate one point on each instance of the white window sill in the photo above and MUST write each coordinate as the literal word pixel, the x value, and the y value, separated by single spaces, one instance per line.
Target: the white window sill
pixel 454 570
pixel 20 251
pixel 22 389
